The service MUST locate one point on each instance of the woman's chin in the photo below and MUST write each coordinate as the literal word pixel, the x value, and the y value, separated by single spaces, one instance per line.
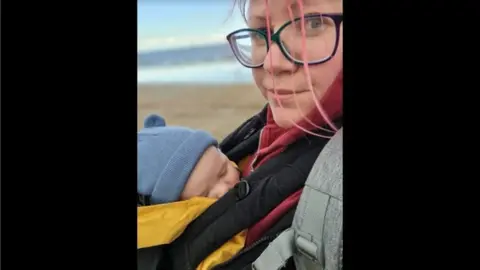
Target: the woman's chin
pixel 285 117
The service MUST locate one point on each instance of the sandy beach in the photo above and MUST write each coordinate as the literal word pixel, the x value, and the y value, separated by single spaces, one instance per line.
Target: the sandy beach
pixel 218 109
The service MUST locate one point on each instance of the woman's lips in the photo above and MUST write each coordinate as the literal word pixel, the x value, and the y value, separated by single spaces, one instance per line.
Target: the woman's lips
pixel 284 94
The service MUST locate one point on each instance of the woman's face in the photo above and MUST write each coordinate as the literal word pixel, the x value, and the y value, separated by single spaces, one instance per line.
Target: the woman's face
pixel 290 80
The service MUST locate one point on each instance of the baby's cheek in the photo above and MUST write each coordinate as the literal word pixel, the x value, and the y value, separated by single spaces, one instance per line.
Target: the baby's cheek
pixel 219 191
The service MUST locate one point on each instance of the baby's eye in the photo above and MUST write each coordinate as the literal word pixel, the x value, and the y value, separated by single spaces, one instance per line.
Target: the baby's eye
pixel 223 170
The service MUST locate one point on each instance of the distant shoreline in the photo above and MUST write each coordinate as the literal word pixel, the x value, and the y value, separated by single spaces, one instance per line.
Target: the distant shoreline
pixel 187 55
pixel 213 72
pixel 190 64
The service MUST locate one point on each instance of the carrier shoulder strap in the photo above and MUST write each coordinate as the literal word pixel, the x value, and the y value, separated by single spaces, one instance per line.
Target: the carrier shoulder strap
pixel 315 238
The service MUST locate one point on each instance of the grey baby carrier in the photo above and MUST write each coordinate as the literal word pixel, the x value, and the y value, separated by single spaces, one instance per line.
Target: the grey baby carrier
pixel 315 238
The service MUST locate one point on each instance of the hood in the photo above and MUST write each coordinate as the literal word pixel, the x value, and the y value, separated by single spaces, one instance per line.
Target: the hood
pixel 161 224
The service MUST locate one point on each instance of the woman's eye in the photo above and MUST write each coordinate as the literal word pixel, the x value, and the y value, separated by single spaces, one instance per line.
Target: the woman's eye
pixel 262 31
pixel 314 23
pixel 256 36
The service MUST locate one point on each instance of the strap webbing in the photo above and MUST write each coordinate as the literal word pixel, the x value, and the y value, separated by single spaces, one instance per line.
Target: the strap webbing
pixel 277 253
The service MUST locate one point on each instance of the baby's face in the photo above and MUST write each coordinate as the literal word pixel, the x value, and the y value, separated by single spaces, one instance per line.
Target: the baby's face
pixel 212 177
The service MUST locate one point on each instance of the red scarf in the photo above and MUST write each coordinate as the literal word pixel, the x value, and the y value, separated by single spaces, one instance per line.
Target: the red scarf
pixel 274 139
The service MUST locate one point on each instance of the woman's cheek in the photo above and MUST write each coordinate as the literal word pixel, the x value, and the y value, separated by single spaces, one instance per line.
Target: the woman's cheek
pixel 258 74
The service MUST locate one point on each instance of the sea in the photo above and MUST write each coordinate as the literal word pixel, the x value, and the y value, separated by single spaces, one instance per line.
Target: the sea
pixel 184 41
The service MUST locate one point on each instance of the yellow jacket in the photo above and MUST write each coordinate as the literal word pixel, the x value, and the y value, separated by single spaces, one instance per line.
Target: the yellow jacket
pixel 162 223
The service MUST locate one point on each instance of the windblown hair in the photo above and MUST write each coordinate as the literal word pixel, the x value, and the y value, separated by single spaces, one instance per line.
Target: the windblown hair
pixel 242 5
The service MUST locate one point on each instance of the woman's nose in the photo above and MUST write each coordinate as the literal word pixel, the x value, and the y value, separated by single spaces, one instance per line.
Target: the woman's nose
pixel 275 62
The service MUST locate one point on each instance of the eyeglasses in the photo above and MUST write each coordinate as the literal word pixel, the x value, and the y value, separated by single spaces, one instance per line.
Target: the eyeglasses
pixel 250 46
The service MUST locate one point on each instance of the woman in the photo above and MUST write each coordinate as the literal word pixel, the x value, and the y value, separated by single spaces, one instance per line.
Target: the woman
pixel 295 52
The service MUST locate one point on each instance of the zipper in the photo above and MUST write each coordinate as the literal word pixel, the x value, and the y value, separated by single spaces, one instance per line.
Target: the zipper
pixel 245 250
pixel 256 153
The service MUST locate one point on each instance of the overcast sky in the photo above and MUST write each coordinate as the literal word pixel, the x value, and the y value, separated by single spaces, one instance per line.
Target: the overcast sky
pixel 176 23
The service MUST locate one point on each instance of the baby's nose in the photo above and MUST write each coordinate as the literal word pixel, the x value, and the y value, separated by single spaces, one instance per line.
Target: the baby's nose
pixel 233 180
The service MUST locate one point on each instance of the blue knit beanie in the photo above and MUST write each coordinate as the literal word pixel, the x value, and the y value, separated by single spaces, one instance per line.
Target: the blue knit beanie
pixel 167 157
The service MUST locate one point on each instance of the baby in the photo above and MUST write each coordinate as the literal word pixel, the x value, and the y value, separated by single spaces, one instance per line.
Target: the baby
pixel 178 163
pixel 180 173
